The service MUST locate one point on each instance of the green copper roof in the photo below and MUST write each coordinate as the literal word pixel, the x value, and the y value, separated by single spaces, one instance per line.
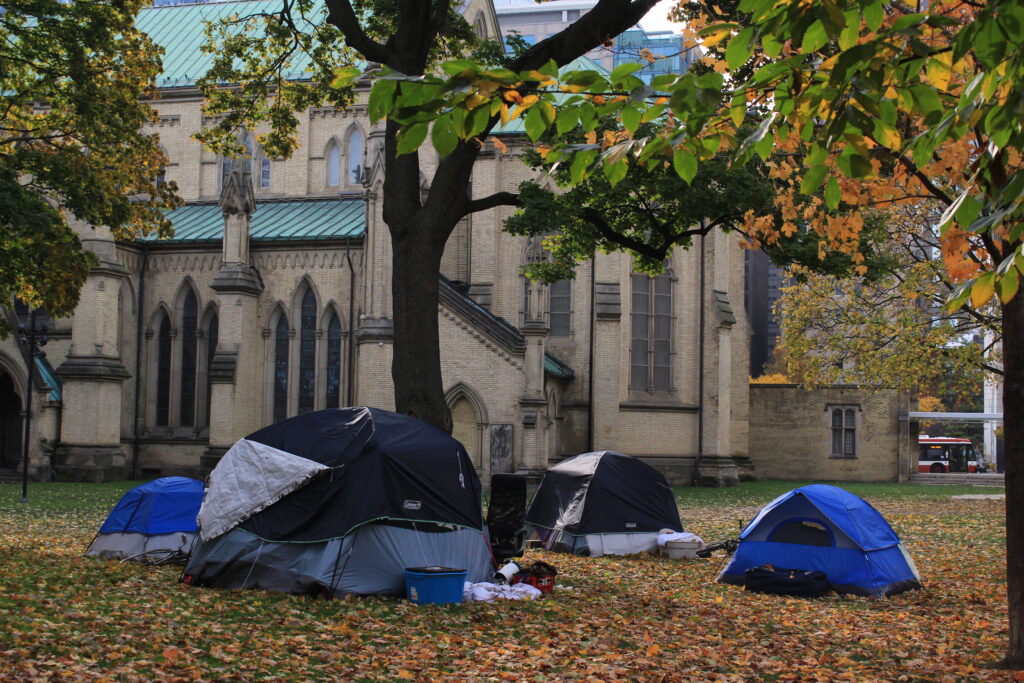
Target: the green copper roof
pixel 321 219
pixel 179 30
pixel 557 368
pixel 46 372
pixel 515 126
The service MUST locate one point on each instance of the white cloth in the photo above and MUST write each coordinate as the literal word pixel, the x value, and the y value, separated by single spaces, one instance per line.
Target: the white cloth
pixel 679 536
pixel 489 592
pixel 250 477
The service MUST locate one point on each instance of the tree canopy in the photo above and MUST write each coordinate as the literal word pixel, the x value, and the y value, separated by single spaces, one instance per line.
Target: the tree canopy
pixel 72 142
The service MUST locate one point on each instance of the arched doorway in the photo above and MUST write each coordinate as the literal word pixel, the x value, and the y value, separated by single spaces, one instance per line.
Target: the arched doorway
pixel 10 423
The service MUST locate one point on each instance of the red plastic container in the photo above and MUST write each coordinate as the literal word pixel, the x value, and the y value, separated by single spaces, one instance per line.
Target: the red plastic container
pixel 545 584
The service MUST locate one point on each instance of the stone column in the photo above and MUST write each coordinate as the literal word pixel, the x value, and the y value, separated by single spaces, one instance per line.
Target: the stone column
pixel 90 435
pixel 236 398
pixel 532 403
pixel 376 331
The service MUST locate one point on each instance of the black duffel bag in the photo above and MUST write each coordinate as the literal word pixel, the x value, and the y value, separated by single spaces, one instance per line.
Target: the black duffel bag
pixel 800 582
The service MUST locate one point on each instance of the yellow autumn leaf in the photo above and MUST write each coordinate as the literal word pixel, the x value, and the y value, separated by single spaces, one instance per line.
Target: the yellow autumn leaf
pixel 983 290
pixel 715 37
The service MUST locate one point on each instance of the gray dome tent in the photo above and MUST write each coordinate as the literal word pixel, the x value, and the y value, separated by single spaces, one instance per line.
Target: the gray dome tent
pixel 339 501
pixel 602 503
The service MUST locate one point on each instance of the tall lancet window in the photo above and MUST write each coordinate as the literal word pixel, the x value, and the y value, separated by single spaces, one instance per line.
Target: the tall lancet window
pixel 264 172
pixel 307 353
pixel 354 157
pixel 212 334
pixel 651 339
pixel 281 369
pixel 163 372
pixel 333 161
pixel 333 363
pixel 189 320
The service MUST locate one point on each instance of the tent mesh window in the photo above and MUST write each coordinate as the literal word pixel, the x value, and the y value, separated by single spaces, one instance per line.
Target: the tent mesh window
pixel 802 532
pixel 844 431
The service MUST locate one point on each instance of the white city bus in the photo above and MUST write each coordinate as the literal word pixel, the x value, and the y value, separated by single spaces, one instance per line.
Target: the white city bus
pixel 946 454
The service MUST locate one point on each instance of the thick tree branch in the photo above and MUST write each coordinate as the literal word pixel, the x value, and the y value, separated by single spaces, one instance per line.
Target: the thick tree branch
pixel 597 220
pixel 496 199
pixel 341 15
pixel 607 19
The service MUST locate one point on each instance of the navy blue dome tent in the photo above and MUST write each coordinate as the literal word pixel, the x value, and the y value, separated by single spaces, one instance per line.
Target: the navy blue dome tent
pixel 825 528
pixel 153 522
pixel 340 501
pixel 602 503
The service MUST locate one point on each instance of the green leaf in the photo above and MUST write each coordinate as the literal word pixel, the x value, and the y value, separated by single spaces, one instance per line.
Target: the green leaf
pixel 442 135
pixel 550 69
pixel 567 119
pixel 970 209
pixel 832 193
pixel 623 70
pixel 772 47
pixel 989 41
pixel 630 118
pixel 739 50
pixel 848 36
pixel 854 165
pixel 814 38
pixel 615 172
pixel 534 124
pixel 411 137
pixel 685 164
pixel 1008 285
pixel 581 164
pixel 381 98
pixel 874 13
pixel 812 180
pixel 983 289
pixel 345 76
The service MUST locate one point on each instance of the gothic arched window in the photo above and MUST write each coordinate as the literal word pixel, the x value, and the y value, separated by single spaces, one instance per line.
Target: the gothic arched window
pixel 163 372
pixel 307 353
pixel 333 160
pixel 189 321
pixel 264 172
pixel 333 363
pixel 212 333
pixel 281 369
pixel 354 158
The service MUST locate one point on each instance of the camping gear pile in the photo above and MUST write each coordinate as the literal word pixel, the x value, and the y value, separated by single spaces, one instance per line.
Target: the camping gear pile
pixel 602 503
pixel 340 501
pixel 825 529
pixel 153 523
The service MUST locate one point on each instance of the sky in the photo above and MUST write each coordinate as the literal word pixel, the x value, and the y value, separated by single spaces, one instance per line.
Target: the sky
pixel 656 19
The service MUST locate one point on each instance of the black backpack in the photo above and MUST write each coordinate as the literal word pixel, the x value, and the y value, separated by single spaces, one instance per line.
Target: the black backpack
pixel 800 582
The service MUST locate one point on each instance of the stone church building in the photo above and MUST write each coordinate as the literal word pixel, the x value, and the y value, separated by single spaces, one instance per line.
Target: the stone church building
pixel 273 298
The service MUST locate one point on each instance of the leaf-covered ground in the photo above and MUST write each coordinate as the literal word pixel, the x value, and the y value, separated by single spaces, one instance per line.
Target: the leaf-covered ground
pixel 638 618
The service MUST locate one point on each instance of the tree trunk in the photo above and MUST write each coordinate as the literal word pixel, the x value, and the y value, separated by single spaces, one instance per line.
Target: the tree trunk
pixel 1013 431
pixel 416 364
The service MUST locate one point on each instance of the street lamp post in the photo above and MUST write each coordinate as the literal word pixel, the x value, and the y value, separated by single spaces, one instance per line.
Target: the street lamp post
pixel 33 339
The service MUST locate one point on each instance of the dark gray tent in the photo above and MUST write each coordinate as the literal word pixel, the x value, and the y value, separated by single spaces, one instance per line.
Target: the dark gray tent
pixel 340 501
pixel 602 503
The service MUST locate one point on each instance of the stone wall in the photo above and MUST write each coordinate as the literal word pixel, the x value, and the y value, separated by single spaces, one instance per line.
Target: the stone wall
pixel 791 432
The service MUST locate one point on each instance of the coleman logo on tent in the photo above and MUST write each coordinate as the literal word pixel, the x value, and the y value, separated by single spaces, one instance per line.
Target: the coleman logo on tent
pixel 412 505
pixel 630 525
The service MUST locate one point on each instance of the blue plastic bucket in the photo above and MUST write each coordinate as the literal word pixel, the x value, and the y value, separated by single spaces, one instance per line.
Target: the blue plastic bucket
pixel 434 585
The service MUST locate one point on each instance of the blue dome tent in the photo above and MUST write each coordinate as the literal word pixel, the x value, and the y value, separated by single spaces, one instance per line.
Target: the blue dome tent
pixel 152 522
pixel 340 501
pixel 825 528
